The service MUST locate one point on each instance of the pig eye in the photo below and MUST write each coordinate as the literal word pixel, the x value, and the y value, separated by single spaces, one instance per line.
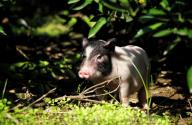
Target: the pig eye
pixel 100 58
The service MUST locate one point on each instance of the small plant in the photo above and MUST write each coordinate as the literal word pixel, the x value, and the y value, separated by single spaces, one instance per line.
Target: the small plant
pixel 105 114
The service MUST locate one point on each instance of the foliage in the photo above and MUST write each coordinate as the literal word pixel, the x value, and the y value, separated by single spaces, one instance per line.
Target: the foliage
pixel 72 114
pixel 102 21
pixel 189 79
pixel 2 31
pixel 43 69
pixel 142 19
pixel 161 25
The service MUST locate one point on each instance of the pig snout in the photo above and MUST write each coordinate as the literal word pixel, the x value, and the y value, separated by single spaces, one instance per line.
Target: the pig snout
pixel 84 74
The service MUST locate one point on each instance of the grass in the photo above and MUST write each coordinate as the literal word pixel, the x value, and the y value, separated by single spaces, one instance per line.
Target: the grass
pixel 71 114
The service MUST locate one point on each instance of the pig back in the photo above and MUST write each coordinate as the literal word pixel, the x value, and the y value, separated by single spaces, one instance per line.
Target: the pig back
pixel 130 63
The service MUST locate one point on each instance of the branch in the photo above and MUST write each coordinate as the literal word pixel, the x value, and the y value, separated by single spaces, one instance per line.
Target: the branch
pixel 94 87
pixel 78 97
pixel 83 97
pixel 39 99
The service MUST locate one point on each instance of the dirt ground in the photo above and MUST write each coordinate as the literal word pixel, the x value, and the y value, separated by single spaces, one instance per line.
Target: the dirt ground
pixel 171 98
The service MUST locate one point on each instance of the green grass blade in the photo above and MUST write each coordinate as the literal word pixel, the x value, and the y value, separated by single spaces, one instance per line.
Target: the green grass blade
pixel 189 79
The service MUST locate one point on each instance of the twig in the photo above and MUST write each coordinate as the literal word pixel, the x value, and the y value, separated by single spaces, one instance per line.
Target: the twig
pixel 22 53
pixel 104 93
pixel 39 99
pixel 97 85
pixel 4 88
pixel 78 97
pixel 90 100
pixel 93 87
pixel 15 107
pixel 71 97
pixel 83 97
pixel 91 91
pixel 190 104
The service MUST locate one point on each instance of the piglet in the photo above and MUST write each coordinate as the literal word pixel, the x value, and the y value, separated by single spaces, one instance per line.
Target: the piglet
pixel 102 61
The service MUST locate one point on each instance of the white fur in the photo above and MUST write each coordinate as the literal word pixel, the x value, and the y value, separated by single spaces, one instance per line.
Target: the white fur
pixel 88 67
pixel 88 51
pixel 122 63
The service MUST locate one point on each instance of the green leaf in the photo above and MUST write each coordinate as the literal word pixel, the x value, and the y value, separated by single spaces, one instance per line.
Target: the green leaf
pixel 115 6
pixel 128 19
pixel 20 64
pixel 184 32
pixel 139 33
pixel 180 18
pixel 172 46
pixel 190 34
pixel 87 20
pixel 165 5
pixel 156 25
pixel 163 33
pixel 155 11
pixel 124 1
pixel 72 22
pixel 102 21
pixel 43 63
pixel 148 29
pixel 83 5
pixel 72 1
pixel 100 8
pixel 2 31
pixel 146 18
pixel 189 79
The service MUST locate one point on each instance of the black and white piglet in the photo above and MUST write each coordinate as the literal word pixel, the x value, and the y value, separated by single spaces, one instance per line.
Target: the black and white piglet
pixel 102 61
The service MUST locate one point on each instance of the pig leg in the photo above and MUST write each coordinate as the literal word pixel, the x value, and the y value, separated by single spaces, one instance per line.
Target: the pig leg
pixel 124 94
pixel 142 98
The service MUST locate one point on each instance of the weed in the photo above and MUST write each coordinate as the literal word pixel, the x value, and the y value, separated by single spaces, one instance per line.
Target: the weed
pixel 70 114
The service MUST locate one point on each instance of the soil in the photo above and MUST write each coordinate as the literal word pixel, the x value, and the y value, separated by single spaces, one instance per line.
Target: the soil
pixel 171 99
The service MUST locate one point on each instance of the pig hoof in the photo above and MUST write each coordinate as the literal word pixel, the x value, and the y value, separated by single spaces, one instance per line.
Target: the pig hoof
pixel 125 104
pixel 145 107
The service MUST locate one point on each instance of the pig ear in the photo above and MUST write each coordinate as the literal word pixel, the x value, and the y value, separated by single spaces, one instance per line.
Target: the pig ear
pixel 85 42
pixel 110 44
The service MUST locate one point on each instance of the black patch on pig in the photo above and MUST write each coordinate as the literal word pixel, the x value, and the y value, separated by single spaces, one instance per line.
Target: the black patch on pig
pixel 105 67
